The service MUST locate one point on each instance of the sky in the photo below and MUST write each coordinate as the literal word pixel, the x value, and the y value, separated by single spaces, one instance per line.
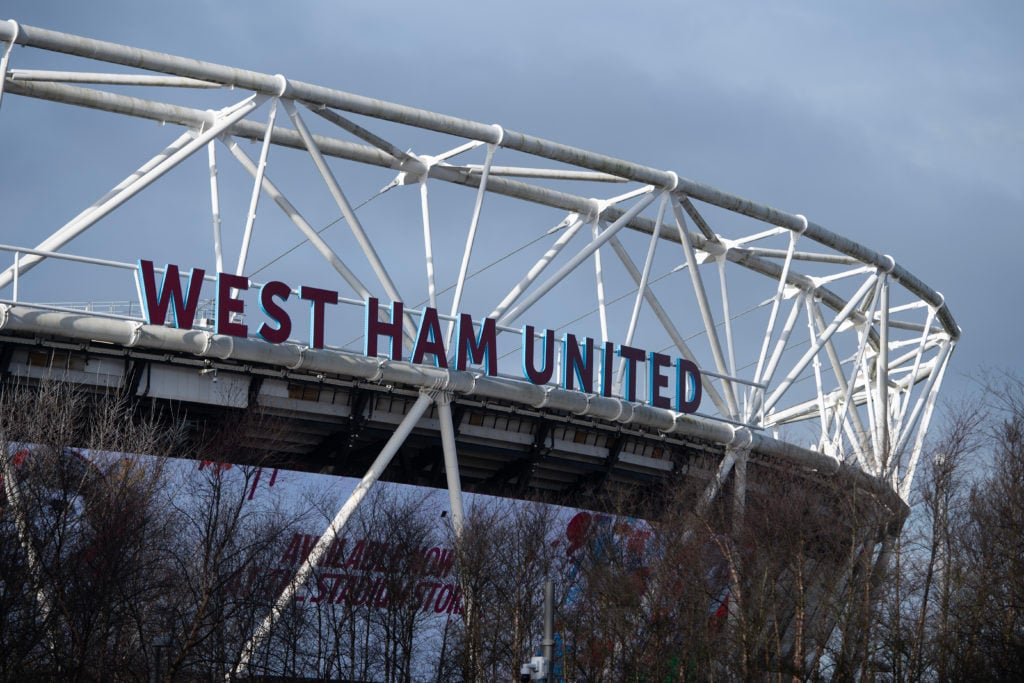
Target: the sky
pixel 896 124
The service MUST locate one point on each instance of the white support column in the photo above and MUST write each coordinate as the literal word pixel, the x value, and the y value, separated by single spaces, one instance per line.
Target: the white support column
pixel 776 302
pixel 17 274
pixel 218 250
pixel 354 224
pixel 860 376
pixel 931 392
pixel 574 223
pixel 726 315
pixel 882 377
pixel 918 357
pixel 739 508
pixel 856 437
pixel 859 438
pixel 641 292
pixel 6 58
pixel 602 308
pixel 335 528
pixel 705 310
pixel 254 198
pixel 780 346
pixel 825 336
pixel 470 242
pixel 451 464
pixel 860 385
pixel 178 151
pixel 301 223
pixel 576 260
pixel 666 320
pixel 861 362
pixel 428 242
pixel 739 491
pixel 714 487
pixel 824 413
pixel 923 397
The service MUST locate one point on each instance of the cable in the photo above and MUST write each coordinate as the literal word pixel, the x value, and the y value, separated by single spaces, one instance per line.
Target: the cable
pixel 470 276
pixel 321 230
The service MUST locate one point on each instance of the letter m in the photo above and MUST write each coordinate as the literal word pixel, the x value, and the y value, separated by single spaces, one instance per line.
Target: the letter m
pixel 480 349
pixel 158 299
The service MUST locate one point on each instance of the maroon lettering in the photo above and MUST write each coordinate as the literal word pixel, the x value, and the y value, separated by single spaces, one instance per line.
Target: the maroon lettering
pixel 456 605
pixel 688 386
pixel 429 339
pixel 430 596
pixel 480 350
pixel 607 368
pixel 370 554
pixel 324 587
pixel 375 327
pixel 268 293
pixel 228 307
pixel 334 553
pixel 577 365
pixel 291 554
pixel 444 599
pixel 444 565
pixel 430 561
pixel 632 357
pixel 656 379
pixel 530 371
pixel 356 555
pixel 169 292
pixel 318 298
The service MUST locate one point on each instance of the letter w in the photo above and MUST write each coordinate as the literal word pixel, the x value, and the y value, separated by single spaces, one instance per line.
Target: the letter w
pixel 157 300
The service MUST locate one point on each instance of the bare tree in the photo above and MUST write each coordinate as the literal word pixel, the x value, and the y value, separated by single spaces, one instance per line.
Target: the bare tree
pixel 115 565
pixel 952 608
pixel 119 561
pixel 984 624
pixel 85 520
pixel 505 555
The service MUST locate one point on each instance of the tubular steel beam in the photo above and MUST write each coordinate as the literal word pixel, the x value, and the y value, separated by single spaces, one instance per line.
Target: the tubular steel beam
pixel 336 526
pixel 173 155
pixel 368 155
pixel 271 85
pixel 451 464
pixel 868 389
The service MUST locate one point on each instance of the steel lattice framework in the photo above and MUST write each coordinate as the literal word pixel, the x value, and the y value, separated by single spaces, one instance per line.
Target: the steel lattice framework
pixel 816 351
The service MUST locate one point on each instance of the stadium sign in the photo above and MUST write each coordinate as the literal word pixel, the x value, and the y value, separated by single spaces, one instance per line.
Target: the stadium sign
pixel 580 361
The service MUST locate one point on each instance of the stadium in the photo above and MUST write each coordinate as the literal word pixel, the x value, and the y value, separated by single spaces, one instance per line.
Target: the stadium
pixel 489 312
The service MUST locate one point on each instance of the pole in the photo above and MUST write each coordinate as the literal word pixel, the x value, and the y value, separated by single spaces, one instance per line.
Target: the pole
pixel 549 628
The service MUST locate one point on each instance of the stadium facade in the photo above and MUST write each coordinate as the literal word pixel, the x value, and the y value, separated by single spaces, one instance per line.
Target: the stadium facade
pixel 488 311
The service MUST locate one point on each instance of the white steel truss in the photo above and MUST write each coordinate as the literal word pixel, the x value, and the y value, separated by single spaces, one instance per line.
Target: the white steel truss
pixel 862 384
pixel 704 275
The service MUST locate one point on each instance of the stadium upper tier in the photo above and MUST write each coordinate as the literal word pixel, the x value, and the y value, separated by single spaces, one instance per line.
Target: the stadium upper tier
pixel 614 310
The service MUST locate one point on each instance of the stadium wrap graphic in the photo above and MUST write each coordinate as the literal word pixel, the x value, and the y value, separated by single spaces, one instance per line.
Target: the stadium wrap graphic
pixel 670 384
pixel 363 573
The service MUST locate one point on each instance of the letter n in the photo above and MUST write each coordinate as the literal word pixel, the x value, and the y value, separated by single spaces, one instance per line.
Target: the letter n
pixel 576 364
pixel 530 371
